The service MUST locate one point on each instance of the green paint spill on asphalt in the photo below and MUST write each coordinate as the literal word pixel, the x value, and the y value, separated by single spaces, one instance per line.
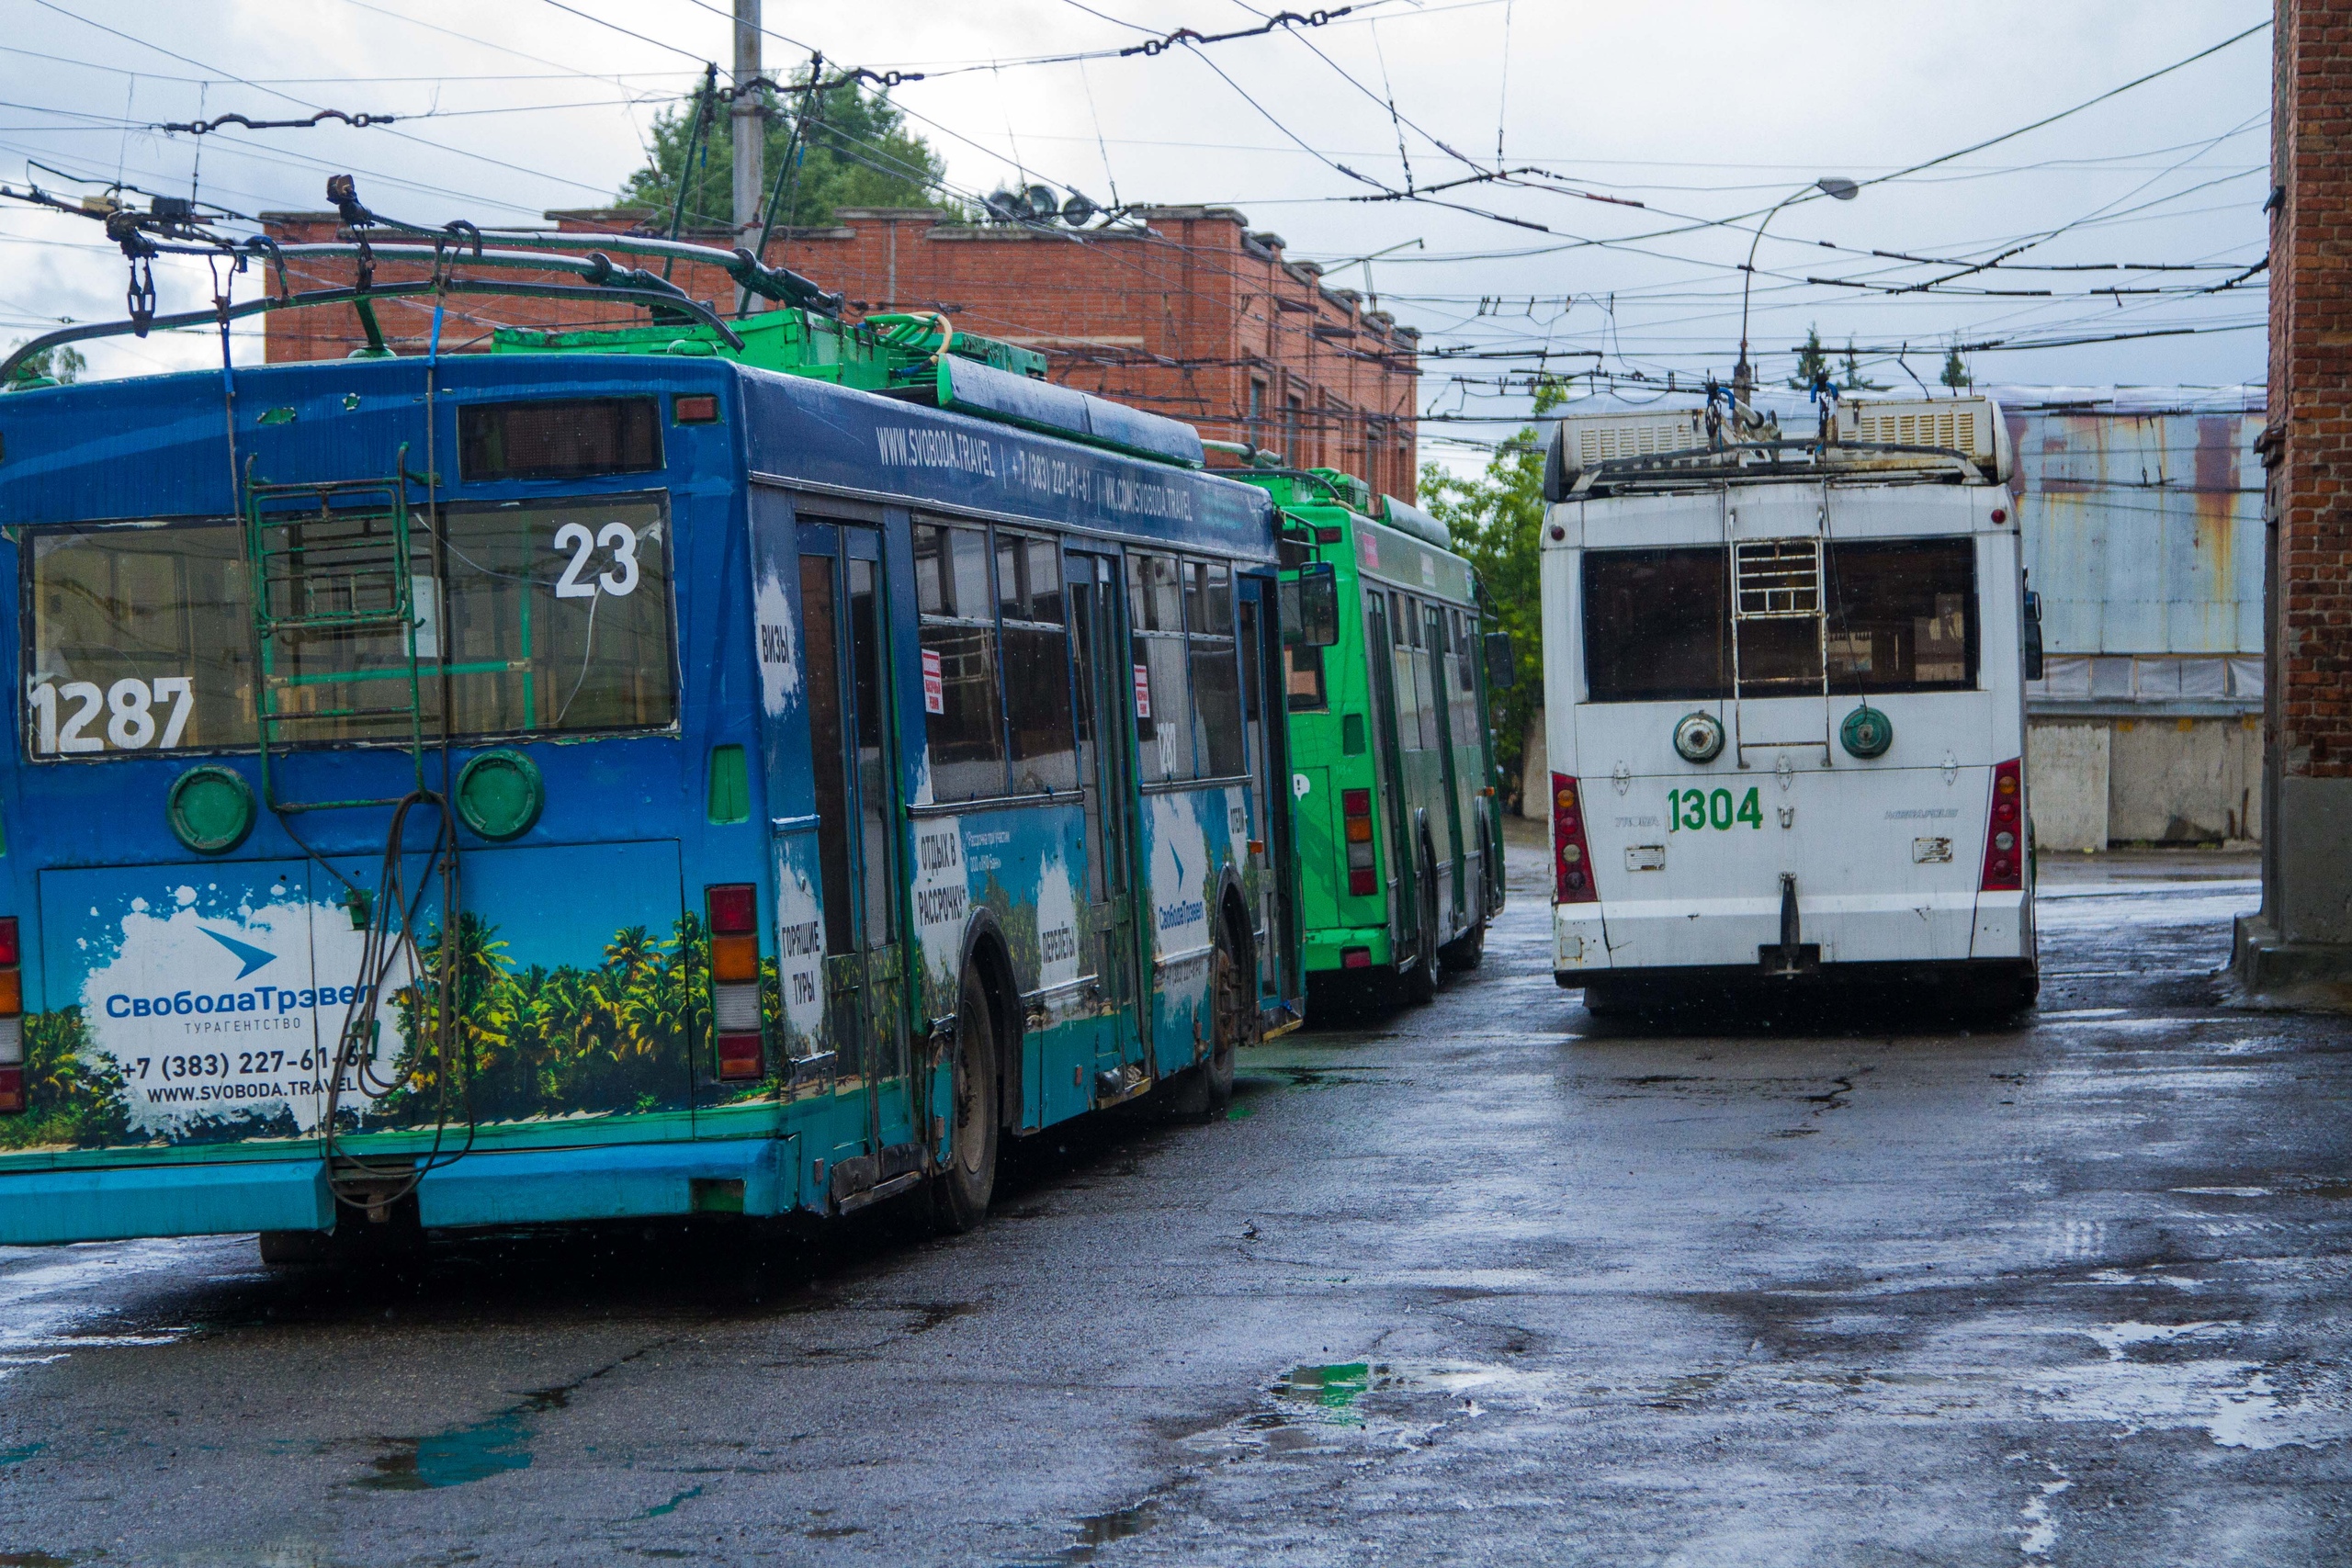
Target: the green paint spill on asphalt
pixel 21 1453
pixel 1238 1113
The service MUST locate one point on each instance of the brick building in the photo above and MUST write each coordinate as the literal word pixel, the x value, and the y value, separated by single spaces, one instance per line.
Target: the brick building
pixel 2301 943
pixel 1191 315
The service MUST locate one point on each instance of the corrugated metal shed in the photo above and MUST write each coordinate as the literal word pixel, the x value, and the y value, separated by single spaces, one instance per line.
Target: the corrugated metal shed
pixel 2143 515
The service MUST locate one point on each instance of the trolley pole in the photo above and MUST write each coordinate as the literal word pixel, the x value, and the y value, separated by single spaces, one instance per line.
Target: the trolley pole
pixel 747 125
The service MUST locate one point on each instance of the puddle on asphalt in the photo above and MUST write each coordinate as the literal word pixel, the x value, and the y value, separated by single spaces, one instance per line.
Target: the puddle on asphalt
pixel 471 1452
pixel 1098 1530
pixel 1333 1389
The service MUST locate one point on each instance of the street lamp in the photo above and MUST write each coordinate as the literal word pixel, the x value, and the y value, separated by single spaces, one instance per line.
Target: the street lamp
pixel 1743 375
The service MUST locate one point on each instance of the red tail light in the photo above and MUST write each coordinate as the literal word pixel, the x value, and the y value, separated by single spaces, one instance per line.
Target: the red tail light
pixel 734 908
pixel 1571 856
pixel 2005 832
pixel 734 911
pixel 1355 811
pixel 12 1020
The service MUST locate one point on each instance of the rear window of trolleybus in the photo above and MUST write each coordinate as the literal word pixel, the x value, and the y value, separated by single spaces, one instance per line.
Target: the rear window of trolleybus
pixel 549 617
pixel 1886 616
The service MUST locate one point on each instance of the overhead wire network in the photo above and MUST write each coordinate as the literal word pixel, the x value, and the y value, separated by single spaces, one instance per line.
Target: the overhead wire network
pixel 1669 317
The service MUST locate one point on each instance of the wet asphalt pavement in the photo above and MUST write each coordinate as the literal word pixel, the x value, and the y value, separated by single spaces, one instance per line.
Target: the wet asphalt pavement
pixel 1481 1282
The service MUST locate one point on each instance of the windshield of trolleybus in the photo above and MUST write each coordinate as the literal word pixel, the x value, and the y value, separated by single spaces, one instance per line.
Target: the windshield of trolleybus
pixel 555 618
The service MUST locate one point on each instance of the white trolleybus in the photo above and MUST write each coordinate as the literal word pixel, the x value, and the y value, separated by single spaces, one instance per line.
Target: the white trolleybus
pixel 1784 705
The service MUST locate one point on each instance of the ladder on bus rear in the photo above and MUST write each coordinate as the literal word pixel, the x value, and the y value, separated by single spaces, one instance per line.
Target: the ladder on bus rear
pixel 1780 579
pixel 335 622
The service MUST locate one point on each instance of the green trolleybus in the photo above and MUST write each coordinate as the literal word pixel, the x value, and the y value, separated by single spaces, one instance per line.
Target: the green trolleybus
pixel 1387 667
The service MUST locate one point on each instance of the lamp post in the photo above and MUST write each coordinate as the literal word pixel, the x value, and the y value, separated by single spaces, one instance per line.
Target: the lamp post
pixel 1743 375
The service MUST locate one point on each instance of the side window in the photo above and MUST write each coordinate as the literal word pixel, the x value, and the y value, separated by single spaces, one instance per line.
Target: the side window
pixel 1163 696
pixel 1037 663
pixel 1303 680
pixel 1465 631
pixel 1427 618
pixel 957 615
pixel 1216 678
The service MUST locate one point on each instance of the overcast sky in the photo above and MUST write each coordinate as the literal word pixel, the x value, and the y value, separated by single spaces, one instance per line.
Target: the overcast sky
pixel 1705 112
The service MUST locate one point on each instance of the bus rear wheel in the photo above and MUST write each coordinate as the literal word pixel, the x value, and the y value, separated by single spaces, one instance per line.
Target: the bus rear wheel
pixel 960 1192
pixel 1231 1002
pixel 1421 981
pixel 1466 951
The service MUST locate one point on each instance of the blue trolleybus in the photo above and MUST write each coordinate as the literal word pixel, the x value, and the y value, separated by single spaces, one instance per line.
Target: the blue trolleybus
pixel 551 786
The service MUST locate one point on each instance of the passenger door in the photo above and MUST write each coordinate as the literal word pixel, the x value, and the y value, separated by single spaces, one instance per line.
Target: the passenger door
pixel 1438 638
pixel 855 779
pixel 1265 710
pixel 1106 718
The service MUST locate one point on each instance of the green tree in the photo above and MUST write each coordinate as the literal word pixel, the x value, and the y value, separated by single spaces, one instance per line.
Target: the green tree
pixel 1956 375
pixel 1813 361
pixel 1497 521
pixel 64 366
pixel 1851 378
pixel 858 153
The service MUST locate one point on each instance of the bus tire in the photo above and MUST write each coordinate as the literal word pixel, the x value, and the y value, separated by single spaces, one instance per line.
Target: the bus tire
pixel 1466 951
pixel 2000 999
pixel 960 1192
pixel 1421 981
pixel 1230 1004
pixel 295 1249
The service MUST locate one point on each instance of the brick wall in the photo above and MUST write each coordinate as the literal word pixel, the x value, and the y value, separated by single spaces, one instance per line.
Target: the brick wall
pixel 1194 317
pixel 2308 444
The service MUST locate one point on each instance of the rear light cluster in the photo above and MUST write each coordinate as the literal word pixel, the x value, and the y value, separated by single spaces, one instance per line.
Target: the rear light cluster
pixel 734 910
pixel 1355 810
pixel 1571 856
pixel 12 1019
pixel 2005 834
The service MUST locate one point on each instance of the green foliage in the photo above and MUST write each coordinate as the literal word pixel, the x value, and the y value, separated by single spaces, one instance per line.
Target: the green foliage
pixel 858 153
pixel 1497 521
pixel 1813 362
pixel 74 1098
pixel 64 366
pixel 1851 378
pixel 1956 373
pixel 559 1041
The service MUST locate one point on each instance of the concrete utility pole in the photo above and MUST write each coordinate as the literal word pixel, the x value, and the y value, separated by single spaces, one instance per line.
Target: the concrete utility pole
pixel 747 126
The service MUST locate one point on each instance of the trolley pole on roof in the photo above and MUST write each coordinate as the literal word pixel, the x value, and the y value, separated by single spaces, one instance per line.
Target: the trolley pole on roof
pixel 1743 375
pixel 749 128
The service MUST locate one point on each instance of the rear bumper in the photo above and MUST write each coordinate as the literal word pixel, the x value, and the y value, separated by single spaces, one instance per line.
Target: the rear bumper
pixel 41 1207
pixel 1922 978
pixel 1850 929
pixel 1325 947
pixel 749 1176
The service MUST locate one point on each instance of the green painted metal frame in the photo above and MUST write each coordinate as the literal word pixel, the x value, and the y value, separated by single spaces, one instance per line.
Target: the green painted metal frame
pixel 279 563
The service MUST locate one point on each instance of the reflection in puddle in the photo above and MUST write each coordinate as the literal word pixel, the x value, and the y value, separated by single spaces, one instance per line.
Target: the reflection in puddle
pixel 1097 1530
pixel 461 1454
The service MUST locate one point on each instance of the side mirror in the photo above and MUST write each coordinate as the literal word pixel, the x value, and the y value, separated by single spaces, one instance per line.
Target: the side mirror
pixel 1310 608
pixel 1502 663
pixel 2033 635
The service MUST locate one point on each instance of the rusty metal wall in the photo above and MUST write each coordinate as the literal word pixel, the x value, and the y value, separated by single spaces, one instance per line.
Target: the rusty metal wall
pixel 2142 516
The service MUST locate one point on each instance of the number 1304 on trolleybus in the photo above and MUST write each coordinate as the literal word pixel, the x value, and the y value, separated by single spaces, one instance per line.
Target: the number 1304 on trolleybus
pixel 1784 700
pixel 679 770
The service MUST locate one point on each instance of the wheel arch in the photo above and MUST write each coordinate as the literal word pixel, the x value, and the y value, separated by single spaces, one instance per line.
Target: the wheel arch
pixel 987 954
